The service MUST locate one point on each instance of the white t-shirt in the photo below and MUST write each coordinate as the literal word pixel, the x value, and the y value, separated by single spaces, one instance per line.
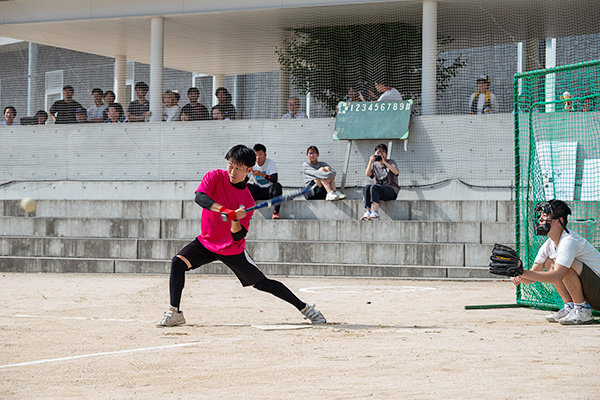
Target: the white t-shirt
pixel 171 113
pixel 15 122
pixel 96 112
pixel 390 95
pixel 269 168
pixel 570 246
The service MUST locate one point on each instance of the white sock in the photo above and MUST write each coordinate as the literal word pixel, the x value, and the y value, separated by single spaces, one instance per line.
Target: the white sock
pixel 570 305
pixel 581 305
pixel 171 308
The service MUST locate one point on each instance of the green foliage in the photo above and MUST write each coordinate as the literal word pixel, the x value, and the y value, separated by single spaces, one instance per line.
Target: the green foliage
pixel 326 61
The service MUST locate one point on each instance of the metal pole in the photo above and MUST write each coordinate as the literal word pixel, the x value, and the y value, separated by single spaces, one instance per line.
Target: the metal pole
pixel 157 28
pixel 31 65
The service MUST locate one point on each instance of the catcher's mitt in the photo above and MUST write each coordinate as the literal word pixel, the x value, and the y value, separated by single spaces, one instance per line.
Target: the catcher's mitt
pixel 505 261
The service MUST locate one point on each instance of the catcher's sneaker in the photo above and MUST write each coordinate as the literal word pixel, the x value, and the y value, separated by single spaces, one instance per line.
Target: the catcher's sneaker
pixel 331 196
pixel 374 216
pixel 555 317
pixel 365 216
pixel 315 316
pixel 340 195
pixel 577 316
pixel 171 318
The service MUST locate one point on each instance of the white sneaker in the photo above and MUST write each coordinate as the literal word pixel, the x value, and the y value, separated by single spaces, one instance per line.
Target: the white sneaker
pixel 171 318
pixel 331 196
pixel 340 195
pixel 374 216
pixel 555 317
pixel 315 316
pixel 365 216
pixel 577 316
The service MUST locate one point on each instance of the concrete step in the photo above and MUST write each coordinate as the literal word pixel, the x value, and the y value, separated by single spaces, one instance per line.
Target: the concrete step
pixel 98 265
pixel 416 210
pixel 375 253
pixel 317 230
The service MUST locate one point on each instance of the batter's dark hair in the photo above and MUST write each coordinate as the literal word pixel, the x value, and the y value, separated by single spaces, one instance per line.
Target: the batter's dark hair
pixel 259 147
pixel 242 154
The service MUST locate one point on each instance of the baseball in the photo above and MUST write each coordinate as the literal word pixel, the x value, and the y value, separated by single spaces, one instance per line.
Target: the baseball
pixel 28 204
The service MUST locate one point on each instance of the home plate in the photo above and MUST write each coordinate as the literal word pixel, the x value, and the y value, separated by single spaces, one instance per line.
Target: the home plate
pixel 281 327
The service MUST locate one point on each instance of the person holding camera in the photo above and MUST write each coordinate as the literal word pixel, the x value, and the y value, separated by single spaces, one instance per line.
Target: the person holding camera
pixel 385 172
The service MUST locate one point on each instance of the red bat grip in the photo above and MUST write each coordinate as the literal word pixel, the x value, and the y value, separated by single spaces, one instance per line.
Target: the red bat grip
pixel 227 214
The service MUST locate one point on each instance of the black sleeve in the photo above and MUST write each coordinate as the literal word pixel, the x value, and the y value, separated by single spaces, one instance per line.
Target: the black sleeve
pixel 272 178
pixel 203 200
pixel 239 235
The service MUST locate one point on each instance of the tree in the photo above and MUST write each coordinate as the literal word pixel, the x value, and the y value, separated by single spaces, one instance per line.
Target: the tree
pixel 326 61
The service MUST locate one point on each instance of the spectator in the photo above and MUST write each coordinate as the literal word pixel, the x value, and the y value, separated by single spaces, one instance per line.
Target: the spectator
pixel 171 110
pixel 359 92
pixel 385 172
pixel 96 111
pixel 41 117
pixel 218 114
pixel 139 110
pixel 109 97
pixel 115 114
pixel 10 113
pixel 320 174
pixel 294 109
pixel 483 101
pixel 263 183
pixel 195 110
pixel 81 115
pixel 388 93
pixel 63 111
pixel 224 105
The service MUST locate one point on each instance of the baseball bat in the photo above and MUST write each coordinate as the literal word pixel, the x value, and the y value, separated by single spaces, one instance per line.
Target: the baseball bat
pixel 276 200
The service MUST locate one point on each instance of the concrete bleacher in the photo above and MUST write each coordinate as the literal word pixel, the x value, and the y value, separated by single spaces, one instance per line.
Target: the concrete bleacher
pixel 429 239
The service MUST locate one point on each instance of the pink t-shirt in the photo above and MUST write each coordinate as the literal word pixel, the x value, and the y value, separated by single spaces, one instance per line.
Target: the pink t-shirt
pixel 216 233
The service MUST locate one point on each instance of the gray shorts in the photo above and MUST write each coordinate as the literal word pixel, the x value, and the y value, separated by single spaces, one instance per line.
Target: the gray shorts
pixel 590 283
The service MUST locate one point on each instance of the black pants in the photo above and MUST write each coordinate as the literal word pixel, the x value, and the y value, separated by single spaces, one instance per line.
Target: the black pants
pixel 241 264
pixel 266 193
pixel 377 193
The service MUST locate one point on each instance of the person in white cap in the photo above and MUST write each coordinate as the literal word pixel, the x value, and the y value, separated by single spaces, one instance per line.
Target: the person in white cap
pixel 483 101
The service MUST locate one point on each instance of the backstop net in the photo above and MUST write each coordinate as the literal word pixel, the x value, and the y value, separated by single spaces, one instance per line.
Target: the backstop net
pixel 557 156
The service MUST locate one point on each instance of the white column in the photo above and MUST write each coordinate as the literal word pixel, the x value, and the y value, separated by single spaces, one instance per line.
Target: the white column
pixel 218 81
pixel 429 57
pixel 31 65
pixel 550 78
pixel 121 81
pixel 157 29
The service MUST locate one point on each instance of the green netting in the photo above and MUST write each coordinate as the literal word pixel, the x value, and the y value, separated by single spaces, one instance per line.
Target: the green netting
pixel 557 155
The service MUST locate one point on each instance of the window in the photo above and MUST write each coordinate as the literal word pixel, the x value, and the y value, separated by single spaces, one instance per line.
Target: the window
pixel 53 86
pixel 204 83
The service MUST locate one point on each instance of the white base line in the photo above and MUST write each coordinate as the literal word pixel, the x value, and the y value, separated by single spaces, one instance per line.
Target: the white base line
pixel 108 353
pixel 77 318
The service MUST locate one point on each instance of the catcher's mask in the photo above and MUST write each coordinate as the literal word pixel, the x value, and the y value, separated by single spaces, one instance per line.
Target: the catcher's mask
pixel 555 209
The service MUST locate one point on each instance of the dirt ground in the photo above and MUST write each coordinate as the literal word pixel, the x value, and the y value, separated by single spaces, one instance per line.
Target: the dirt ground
pixel 93 337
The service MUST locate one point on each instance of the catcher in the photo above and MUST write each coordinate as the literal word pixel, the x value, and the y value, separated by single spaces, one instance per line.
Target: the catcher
pixel 566 260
